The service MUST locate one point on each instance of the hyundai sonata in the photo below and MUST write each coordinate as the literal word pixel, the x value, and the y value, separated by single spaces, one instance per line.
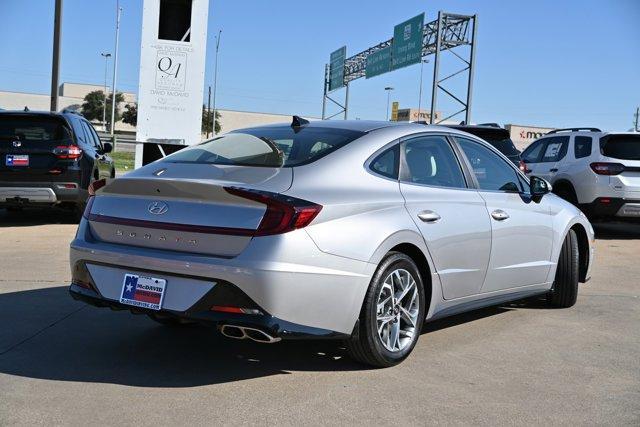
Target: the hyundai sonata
pixel 352 230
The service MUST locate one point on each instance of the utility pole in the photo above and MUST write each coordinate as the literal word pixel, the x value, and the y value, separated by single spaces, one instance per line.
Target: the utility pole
pixel 215 82
pixel 115 70
pixel 635 126
pixel 106 57
pixel 209 110
pixel 55 67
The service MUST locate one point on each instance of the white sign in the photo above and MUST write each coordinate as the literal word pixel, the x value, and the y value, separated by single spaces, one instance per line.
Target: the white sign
pixel 172 63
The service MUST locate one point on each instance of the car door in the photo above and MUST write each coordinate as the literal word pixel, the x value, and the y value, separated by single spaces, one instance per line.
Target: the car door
pixel 522 233
pixel 553 152
pixel 103 161
pixel 451 217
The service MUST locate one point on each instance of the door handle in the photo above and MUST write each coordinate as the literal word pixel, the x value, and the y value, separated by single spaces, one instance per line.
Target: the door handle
pixel 553 170
pixel 499 215
pixel 429 216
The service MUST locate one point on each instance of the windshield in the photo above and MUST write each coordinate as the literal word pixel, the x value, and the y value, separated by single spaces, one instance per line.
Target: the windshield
pixel 32 128
pixel 269 147
pixel 624 147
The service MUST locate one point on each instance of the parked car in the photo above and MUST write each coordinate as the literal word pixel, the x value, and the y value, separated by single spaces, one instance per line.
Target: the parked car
pixel 597 171
pixel 494 135
pixel 352 230
pixel 49 159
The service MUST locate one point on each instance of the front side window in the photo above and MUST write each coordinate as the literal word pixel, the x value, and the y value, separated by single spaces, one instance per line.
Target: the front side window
pixel 555 150
pixel 582 146
pixel 532 153
pixel 430 160
pixel 280 146
pixel 491 171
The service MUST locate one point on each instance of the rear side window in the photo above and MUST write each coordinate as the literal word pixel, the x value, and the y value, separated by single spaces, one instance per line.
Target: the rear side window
pixel 555 149
pixel 532 153
pixel 582 146
pixel 430 160
pixel 386 164
pixel 623 147
pixel 279 146
pixel 32 128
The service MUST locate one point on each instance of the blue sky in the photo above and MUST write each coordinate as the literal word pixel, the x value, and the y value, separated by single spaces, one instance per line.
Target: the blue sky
pixel 552 63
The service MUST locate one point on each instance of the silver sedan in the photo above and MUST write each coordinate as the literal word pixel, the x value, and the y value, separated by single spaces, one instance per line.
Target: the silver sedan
pixel 353 230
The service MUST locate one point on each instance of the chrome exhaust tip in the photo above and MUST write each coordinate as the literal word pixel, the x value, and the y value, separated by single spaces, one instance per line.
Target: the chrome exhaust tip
pixel 244 332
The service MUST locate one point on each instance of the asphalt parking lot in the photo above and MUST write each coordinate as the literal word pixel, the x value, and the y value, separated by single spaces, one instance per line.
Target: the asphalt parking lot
pixel 65 363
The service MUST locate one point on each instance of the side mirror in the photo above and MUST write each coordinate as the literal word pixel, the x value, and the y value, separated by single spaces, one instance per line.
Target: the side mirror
pixel 539 187
pixel 107 147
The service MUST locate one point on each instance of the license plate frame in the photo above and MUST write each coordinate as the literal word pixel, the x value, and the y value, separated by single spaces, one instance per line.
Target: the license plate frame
pixel 143 291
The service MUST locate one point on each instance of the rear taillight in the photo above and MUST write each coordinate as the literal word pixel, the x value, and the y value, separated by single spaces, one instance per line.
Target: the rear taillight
pixel 283 213
pixel 67 152
pixel 523 167
pixel 96 185
pixel 602 168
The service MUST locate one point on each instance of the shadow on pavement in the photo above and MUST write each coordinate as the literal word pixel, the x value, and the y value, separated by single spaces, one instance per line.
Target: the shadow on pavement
pixel 35 216
pixel 56 338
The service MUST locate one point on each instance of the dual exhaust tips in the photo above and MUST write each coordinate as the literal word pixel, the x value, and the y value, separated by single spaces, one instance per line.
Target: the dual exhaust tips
pixel 244 332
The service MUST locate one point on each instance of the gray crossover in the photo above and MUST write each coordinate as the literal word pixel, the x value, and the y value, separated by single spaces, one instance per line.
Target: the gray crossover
pixel 351 230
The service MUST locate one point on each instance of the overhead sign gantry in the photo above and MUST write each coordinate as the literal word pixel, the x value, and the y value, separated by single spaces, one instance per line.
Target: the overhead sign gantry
pixel 412 41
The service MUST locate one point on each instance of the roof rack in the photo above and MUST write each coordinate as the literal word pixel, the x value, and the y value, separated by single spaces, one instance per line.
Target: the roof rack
pixel 574 130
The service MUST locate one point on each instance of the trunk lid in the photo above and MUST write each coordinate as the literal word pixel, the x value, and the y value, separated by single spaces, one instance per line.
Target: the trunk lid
pixel 184 207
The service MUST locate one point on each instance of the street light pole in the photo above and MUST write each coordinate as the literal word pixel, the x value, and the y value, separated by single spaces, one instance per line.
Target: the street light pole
pixel 424 61
pixel 388 89
pixel 115 69
pixel 215 83
pixel 106 56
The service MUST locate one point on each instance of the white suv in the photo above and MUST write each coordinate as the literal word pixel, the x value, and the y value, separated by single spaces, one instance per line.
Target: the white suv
pixel 597 171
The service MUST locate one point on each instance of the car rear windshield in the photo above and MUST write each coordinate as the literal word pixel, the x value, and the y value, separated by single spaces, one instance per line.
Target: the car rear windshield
pixel 28 128
pixel 269 147
pixel 498 137
pixel 624 147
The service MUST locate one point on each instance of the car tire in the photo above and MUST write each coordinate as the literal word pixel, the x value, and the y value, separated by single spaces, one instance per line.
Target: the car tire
pixel 367 344
pixel 565 285
pixel 172 322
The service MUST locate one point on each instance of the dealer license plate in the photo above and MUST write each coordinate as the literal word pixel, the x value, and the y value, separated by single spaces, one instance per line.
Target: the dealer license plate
pixel 143 291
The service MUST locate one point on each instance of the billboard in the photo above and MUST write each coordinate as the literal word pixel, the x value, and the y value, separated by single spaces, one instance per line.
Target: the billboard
pixel 172 64
pixel 407 42
pixel 336 68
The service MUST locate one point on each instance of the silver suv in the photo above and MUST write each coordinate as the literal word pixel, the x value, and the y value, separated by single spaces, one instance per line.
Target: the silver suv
pixel 596 171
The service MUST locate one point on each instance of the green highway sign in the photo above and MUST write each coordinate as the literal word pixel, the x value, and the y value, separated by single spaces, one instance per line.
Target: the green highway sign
pixel 336 68
pixel 378 62
pixel 407 42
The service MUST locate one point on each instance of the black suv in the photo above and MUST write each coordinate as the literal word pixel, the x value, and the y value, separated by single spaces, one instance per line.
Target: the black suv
pixel 494 135
pixel 49 159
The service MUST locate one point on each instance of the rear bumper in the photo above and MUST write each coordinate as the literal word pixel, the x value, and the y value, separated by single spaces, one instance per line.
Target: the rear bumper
pixel 297 287
pixel 39 193
pixel 612 207
pixel 274 326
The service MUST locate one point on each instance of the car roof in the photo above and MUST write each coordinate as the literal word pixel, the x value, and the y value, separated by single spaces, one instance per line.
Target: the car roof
pixel 355 125
pixel 37 113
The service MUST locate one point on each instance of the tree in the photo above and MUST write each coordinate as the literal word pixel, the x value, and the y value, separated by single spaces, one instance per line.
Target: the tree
pixel 93 106
pixel 207 115
pixel 130 114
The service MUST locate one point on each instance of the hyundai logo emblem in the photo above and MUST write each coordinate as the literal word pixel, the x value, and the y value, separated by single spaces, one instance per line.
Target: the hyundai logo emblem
pixel 158 208
pixel 17 143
